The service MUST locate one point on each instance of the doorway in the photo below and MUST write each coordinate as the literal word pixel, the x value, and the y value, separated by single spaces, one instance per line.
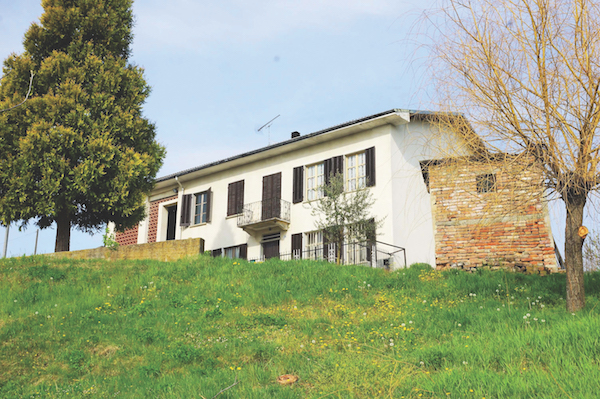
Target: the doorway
pixel 171 221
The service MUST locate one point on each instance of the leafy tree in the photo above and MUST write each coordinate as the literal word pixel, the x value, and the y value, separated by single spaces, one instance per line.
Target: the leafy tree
pixel 78 152
pixel 344 216
pixel 526 73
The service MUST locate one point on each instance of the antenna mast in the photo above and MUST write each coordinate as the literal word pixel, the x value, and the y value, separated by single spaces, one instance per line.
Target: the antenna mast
pixel 268 126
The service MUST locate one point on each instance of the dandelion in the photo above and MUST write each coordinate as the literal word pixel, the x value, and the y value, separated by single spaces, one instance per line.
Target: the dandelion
pixel 55 305
pixel 364 313
pixel 302 345
pixel 36 312
pixel 543 321
pixel 525 317
pixel 465 363
pixel 535 319
pixel 528 315
pixel 313 341
pixel 481 307
pixel 369 285
pixel 49 316
pixel 410 322
pixel 460 325
pixel 15 301
pixel 572 314
pixel 422 363
pixel 498 309
pixel 391 344
pixel 424 301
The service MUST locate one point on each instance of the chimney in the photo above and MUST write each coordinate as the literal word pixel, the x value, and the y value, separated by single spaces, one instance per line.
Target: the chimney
pixel 295 134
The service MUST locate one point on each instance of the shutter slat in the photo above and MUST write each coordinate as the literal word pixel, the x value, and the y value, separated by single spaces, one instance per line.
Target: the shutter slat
pixel 244 251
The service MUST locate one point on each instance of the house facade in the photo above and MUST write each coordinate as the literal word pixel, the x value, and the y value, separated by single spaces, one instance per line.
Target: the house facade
pixel 260 204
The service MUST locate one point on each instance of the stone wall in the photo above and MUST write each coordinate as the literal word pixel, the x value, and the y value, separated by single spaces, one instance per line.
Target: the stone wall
pixel 506 226
pixel 164 251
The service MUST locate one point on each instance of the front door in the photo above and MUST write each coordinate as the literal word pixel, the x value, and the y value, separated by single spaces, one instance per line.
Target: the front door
pixel 271 249
pixel 271 196
pixel 171 222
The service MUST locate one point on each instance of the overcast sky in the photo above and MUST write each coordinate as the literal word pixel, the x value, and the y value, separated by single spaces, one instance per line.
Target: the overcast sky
pixel 221 69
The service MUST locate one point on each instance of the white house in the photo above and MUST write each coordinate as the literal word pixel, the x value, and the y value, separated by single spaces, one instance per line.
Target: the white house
pixel 258 204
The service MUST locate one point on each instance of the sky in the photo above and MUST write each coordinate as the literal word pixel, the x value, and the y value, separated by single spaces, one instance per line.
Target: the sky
pixel 219 70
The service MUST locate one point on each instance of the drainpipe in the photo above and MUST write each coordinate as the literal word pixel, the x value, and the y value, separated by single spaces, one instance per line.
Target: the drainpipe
pixel 180 200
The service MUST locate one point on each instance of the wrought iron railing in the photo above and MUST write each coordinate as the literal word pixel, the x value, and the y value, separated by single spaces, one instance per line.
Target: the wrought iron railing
pixel 260 211
pixel 373 254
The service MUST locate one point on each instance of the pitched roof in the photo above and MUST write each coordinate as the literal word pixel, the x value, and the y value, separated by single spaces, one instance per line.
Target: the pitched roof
pixel 417 114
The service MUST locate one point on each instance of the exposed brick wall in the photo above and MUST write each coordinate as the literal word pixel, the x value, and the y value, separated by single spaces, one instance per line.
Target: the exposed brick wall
pixel 153 218
pixel 504 227
pixel 128 237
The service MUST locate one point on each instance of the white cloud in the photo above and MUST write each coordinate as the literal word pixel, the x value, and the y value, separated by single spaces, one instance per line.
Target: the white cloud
pixel 189 24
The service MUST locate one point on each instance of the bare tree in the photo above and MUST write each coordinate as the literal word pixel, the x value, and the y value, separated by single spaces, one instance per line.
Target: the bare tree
pixel 526 74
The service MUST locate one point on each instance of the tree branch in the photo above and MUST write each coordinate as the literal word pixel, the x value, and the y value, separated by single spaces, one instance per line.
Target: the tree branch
pixel 26 97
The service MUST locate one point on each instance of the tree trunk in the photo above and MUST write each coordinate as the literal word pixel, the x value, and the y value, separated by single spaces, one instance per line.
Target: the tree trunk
pixel 574 253
pixel 63 232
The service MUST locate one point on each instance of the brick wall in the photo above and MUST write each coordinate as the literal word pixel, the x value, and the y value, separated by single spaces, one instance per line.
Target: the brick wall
pixel 507 226
pixel 153 217
pixel 128 237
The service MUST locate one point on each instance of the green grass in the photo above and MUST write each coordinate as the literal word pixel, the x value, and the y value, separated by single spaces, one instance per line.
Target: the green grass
pixel 189 329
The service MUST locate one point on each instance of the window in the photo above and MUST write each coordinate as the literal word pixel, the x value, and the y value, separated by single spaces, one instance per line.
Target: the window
pixel 314 245
pixel 356 171
pixel 315 178
pixel 196 208
pixel 486 183
pixel 235 198
pixel 201 208
pixel 238 251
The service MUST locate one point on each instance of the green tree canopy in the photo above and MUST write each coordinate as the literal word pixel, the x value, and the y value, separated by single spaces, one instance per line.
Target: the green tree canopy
pixel 79 152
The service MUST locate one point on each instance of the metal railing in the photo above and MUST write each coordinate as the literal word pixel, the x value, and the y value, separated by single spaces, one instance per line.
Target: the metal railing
pixel 353 253
pixel 260 211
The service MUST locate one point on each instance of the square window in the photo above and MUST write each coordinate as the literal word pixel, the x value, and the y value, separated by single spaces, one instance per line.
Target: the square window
pixel 486 183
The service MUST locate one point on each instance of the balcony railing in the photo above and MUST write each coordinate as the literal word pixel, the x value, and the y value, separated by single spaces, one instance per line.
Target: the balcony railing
pixel 265 215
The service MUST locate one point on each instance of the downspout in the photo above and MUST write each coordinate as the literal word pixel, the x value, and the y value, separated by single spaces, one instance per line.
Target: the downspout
pixel 180 200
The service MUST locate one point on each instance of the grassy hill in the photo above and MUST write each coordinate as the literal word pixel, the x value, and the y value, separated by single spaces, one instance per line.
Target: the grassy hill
pixel 193 328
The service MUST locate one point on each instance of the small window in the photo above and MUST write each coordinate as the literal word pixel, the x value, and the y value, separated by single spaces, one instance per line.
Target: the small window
pixel 486 183
pixel 201 208
pixel 356 171
pixel 315 179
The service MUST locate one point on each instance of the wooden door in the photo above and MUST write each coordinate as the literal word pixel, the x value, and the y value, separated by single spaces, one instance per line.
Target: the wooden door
pixel 271 249
pixel 271 196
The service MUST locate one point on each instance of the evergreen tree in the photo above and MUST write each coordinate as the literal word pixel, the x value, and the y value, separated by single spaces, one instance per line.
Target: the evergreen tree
pixel 78 152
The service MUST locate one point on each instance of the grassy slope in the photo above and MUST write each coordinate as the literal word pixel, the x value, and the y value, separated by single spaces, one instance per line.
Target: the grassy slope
pixel 192 328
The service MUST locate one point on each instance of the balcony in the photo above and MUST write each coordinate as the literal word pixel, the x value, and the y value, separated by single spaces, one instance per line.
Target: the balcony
pixel 268 216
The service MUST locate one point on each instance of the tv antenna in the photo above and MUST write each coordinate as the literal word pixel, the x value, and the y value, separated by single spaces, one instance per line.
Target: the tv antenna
pixel 268 126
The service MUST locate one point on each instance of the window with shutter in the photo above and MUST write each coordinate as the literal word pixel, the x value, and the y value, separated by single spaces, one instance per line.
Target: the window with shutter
pixel 235 198
pixel 202 207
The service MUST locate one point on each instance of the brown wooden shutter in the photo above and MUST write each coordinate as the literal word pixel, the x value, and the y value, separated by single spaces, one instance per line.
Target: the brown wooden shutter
pixel 235 198
pixel 244 251
pixel 240 197
pixel 333 166
pixel 186 209
pixel 208 204
pixel 231 193
pixel 370 166
pixel 298 185
pixel 296 244
pixel 371 237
